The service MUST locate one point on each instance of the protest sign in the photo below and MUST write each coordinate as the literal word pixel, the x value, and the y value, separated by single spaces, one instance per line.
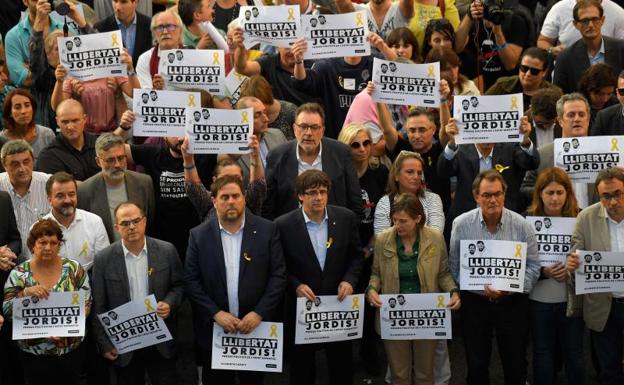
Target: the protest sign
pixel 161 113
pixel 62 314
pixel 599 272
pixel 276 25
pixel 328 320
pixel 214 131
pixel 261 350
pixel 415 317
pixel 583 158
pixel 233 83
pixel 501 264
pixel 406 84
pixel 488 119
pixel 339 35
pixel 554 236
pixel 94 56
pixel 134 325
pixel 193 69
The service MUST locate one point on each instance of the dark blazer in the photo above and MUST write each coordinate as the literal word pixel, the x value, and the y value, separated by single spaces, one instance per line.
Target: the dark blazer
pixel 609 121
pixel 282 170
pixel 92 197
pixel 573 61
pixel 143 39
pixel 465 166
pixel 261 279
pixel 9 234
pixel 110 288
pixel 344 257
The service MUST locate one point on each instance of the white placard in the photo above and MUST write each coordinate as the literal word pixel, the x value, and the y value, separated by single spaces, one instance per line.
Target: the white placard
pixel 406 84
pixel 233 83
pixel 599 272
pixel 260 351
pixel 501 264
pixel 161 113
pixel 214 131
pixel 584 157
pixel 415 317
pixel 193 69
pixel 488 119
pixel 329 320
pixel 276 25
pixel 340 35
pixel 214 34
pixel 61 315
pixel 134 325
pixel 94 56
pixel 554 237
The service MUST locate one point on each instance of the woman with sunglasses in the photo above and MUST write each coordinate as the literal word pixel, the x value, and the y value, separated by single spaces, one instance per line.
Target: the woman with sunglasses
pixel 551 329
pixel 597 84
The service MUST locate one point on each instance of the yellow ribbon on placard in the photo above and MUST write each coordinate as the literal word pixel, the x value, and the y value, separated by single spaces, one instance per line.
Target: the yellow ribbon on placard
pixel 75 298
pixel 440 301
pixel 215 58
pixel 114 41
pixel 244 118
pixel 291 14
pixel 148 305
pixel 614 144
pixel 518 249
pixel 239 77
pixel 431 71
pixel 358 19
pixel 514 102
pixel 273 331
pixel 191 101
pixel 500 168
pixel 355 303
pixel 85 248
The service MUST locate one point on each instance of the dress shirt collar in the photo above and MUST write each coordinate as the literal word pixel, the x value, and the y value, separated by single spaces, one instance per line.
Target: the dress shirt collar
pixel 119 23
pixel 307 219
pixel 318 157
pixel 501 224
pixel 128 252
pixel 242 226
pixel 481 155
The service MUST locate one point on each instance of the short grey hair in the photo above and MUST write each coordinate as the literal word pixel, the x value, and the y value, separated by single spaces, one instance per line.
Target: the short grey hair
pixel 107 141
pixel 175 15
pixel 574 96
pixel 13 147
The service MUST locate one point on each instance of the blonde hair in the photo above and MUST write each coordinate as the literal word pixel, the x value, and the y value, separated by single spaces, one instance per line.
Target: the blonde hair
pixel 347 136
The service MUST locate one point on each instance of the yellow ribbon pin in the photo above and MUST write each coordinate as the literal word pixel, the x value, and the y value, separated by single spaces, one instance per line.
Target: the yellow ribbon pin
pixel 440 301
pixel 191 100
pixel 150 271
pixel 114 41
pixel 291 14
pixel 500 168
pixel 431 71
pixel 273 331
pixel 514 102
pixel 148 305
pixel 614 144
pixel 355 303
pixel 358 19
pixel 85 247
pixel 246 257
pixel 244 118
pixel 518 249
pixel 215 58
pixel 75 298
pixel 329 242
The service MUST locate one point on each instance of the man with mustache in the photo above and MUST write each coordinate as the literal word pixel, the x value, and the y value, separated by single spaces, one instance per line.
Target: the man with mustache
pixel 114 185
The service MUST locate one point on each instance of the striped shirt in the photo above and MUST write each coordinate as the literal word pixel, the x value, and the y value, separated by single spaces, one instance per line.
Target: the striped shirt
pixel 431 202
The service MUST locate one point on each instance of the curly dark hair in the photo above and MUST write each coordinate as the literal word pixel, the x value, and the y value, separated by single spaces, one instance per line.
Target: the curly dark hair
pixel 42 228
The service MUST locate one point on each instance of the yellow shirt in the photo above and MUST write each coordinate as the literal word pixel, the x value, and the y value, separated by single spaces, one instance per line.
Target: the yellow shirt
pixel 423 13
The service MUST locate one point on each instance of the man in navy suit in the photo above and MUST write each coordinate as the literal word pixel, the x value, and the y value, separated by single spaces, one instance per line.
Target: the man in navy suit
pixel 323 257
pixel 234 274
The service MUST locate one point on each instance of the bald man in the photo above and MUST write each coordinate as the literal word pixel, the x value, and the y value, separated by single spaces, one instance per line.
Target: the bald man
pixel 73 150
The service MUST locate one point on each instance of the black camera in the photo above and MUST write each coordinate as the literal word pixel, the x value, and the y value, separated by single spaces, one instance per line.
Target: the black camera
pixel 62 8
pixel 493 11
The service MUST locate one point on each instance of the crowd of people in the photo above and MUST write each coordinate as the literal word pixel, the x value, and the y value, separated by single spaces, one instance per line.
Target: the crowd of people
pixel 338 195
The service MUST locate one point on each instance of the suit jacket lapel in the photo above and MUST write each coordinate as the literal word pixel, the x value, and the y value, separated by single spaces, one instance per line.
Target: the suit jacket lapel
pixel 246 257
pixel 101 205
pixel 218 247
pixel 153 264
pixel 332 236
pixel 119 263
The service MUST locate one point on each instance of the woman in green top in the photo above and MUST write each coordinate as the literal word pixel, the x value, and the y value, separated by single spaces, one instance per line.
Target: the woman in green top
pixel 54 360
pixel 410 258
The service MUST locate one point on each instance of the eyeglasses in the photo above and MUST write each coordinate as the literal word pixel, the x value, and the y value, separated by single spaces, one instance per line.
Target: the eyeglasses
pixel 356 145
pixel 620 91
pixel 112 160
pixel 606 197
pixel 312 127
pixel 131 222
pixel 534 71
pixel 544 125
pixel 585 22
pixel 314 193
pixel 169 27
pixel 488 196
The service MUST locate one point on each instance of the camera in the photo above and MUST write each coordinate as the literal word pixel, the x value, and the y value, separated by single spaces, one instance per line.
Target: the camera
pixel 62 8
pixel 493 11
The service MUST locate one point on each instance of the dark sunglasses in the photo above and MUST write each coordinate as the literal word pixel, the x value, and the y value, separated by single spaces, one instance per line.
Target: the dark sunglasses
pixel 534 71
pixel 620 91
pixel 356 145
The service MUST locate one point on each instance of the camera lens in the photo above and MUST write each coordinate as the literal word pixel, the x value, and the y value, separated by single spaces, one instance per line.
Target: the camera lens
pixel 62 9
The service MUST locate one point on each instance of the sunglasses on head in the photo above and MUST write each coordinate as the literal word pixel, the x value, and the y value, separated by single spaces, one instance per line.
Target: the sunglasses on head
pixel 534 71
pixel 356 145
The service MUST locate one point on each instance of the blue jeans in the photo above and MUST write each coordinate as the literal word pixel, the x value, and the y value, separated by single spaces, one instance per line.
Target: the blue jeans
pixel 552 330
pixel 608 345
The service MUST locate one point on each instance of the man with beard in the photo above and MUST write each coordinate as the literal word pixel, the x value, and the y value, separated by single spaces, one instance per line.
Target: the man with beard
pixel 114 185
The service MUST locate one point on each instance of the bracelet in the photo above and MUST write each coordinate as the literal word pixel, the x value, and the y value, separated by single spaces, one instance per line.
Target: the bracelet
pixel 131 72
pixel 188 167
pixel 502 46
pixel 125 128
pixel 369 288
pixel 454 290
pixel 443 100
pixel 299 62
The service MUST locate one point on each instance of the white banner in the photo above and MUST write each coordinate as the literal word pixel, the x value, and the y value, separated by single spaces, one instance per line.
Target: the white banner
pixel 260 351
pixel 193 69
pixel 599 272
pixel 134 325
pixel 328 320
pixel 61 315
pixel 94 56
pixel 214 131
pixel 406 84
pixel 488 119
pixel 584 157
pixel 233 83
pixel 276 25
pixel 161 113
pixel 415 317
pixel 336 35
pixel 501 264
pixel 554 236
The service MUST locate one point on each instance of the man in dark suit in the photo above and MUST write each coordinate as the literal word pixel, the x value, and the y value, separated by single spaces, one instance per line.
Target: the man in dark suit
pixel 130 270
pixel 592 48
pixel 310 150
pixel 323 257
pixel 234 274
pixel 610 121
pixel 135 27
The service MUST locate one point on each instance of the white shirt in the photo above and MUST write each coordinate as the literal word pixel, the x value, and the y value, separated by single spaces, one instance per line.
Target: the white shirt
pixel 232 254
pixel 580 192
pixel 84 237
pixel 137 269
pixel 392 19
pixel 304 166
pixel 616 239
pixel 142 69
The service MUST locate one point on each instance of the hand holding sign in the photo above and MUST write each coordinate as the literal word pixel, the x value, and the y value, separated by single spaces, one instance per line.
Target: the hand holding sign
pixel 249 322
pixel 344 289
pixel 38 291
pixel 227 321
pixel 373 298
pixel 572 262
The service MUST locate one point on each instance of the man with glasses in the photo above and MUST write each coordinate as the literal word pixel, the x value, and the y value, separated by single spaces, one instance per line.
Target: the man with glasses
pixel 130 270
pixel 610 121
pixel 543 116
pixel 491 311
pixel 592 48
pixel 310 150
pixel 599 227
pixel 104 191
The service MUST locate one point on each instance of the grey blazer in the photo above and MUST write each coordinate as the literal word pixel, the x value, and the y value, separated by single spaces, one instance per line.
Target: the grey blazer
pixel 110 288
pixel 274 137
pixel 92 197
